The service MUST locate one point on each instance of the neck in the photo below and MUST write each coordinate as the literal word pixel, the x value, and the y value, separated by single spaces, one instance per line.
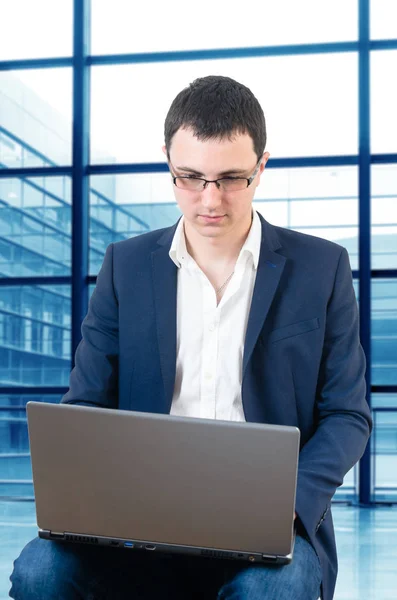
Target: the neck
pixel 221 251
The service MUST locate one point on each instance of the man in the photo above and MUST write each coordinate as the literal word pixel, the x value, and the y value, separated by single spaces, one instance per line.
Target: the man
pixel 221 316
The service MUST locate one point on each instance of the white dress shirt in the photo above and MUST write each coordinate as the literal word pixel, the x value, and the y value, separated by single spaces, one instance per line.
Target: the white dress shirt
pixel 210 337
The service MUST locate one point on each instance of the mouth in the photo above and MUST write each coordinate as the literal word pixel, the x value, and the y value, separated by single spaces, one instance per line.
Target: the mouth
pixel 211 218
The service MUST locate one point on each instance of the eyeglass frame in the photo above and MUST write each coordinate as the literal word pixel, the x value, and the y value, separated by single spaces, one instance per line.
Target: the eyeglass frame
pixel 249 180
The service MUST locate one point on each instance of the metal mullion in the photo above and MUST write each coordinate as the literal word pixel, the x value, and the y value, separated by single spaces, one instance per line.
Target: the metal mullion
pixel 35 172
pixel 384 274
pixel 18 390
pixel 383 44
pixel 313 161
pixel 276 163
pixel 186 55
pixel 36 63
pixel 80 157
pixel 365 225
pixel 37 280
pixel 381 159
pixel 223 53
pixel 127 168
pixel 384 389
pixel 131 168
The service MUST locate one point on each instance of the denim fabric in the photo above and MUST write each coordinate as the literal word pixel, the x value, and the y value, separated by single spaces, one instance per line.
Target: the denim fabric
pixel 54 570
pixel 300 580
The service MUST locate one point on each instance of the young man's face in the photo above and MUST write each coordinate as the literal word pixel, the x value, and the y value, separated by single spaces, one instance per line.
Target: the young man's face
pixel 211 212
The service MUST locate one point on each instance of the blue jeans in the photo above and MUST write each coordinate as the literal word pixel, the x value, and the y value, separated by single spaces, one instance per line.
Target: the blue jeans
pixel 48 570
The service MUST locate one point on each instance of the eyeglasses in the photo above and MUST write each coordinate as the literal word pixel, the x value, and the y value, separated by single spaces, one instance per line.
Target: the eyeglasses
pixel 226 184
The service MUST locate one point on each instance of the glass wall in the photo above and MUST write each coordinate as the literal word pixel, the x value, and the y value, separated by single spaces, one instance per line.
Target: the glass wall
pixel 268 23
pixel 384 332
pixel 301 96
pixel 36 117
pixel 45 29
pixel 384 217
pixel 35 226
pixel 383 101
pixel 15 467
pixel 384 447
pixel 35 335
pixel 302 62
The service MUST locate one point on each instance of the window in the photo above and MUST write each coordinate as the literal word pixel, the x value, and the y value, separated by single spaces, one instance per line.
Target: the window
pixel 316 201
pixel 310 100
pixel 383 19
pixel 36 114
pixel 35 344
pixel 15 467
pixel 384 448
pixel 310 104
pixel 35 226
pixel 126 27
pixel 384 216
pixel 383 101
pixel 384 332
pixel 36 29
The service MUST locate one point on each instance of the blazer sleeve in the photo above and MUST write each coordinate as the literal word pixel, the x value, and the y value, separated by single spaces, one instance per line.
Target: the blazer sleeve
pixel 94 378
pixel 343 420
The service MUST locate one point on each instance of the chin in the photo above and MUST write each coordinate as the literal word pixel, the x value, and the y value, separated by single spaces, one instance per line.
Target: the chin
pixel 210 229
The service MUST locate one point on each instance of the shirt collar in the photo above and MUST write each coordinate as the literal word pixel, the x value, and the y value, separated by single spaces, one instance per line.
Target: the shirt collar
pixel 253 242
pixel 178 251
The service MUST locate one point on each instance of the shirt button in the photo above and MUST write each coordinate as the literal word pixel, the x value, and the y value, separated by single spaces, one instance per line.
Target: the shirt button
pixel 208 375
pixel 212 327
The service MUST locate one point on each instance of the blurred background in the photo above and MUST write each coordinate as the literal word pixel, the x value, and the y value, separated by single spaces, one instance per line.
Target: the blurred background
pixel 84 90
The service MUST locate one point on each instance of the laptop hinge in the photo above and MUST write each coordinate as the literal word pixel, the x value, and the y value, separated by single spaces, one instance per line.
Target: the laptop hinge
pixel 57 534
pixel 270 557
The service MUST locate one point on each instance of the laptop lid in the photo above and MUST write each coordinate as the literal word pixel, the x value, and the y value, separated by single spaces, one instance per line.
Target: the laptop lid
pixel 187 483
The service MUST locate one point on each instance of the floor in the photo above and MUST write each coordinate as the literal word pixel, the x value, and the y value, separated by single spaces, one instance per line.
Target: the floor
pixel 366 540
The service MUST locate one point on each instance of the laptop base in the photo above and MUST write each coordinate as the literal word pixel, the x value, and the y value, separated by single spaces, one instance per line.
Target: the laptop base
pixel 96 540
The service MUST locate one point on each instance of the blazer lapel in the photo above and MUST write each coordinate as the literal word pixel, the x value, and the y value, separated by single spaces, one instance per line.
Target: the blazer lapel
pixel 165 293
pixel 270 268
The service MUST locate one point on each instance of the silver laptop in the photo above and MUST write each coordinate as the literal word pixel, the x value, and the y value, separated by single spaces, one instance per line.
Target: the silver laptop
pixel 161 483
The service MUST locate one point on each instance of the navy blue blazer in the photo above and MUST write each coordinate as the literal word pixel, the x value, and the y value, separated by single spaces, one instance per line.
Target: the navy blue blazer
pixel 303 364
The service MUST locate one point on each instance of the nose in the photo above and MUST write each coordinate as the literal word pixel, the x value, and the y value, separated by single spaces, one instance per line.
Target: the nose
pixel 211 196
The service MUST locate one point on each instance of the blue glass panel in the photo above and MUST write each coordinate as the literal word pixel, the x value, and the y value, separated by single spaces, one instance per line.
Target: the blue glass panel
pixel 384 448
pixel 310 104
pixel 15 466
pixel 383 101
pixel 122 206
pixel 119 26
pixel 38 29
pixel 35 347
pixel 317 201
pixel 384 217
pixel 383 19
pixel 384 332
pixel 36 117
pixel 35 226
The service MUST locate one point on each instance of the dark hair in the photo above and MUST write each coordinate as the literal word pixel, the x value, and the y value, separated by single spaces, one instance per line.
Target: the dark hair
pixel 217 107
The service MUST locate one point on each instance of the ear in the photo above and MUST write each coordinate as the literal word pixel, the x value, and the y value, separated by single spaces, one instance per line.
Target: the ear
pixel 265 158
pixel 164 149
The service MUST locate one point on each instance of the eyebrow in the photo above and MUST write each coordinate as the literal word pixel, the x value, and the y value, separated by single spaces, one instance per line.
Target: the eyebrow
pixel 222 174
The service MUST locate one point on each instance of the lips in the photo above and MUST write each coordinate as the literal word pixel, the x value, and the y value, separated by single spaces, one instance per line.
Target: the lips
pixel 212 218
